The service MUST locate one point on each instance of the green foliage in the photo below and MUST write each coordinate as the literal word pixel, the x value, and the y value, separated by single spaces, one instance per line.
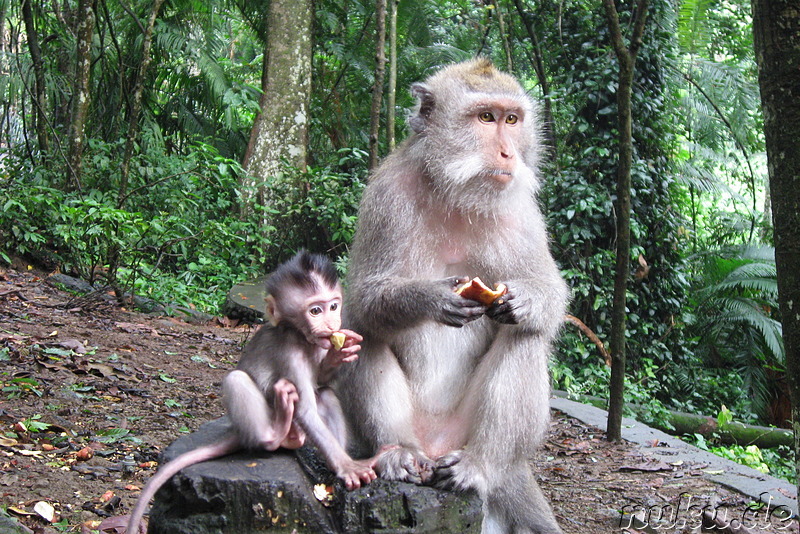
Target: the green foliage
pixel 114 435
pixel 778 462
pixel 735 322
pixel 176 237
pixel 316 209
pixel 17 387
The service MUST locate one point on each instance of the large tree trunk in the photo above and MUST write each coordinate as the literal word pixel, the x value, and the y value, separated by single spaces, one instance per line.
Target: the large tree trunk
pixel 626 55
pixel 39 101
pixel 776 26
pixel 81 94
pixel 377 89
pixel 281 129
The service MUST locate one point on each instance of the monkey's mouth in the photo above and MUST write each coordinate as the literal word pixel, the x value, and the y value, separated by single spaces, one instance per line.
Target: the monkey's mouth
pixel 323 342
pixel 501 175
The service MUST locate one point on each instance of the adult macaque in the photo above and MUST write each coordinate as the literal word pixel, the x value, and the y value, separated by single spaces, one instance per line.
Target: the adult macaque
pixel 277 395
pixel 465 405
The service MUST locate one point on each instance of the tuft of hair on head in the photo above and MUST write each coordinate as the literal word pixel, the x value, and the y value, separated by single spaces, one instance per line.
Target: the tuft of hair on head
pixel 481 76
pixel 304 270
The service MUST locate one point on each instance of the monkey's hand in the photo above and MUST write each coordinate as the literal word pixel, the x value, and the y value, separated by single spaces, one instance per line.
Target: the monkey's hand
pixel 334 358
pixel 456 471
pixel 349 351
pixel 404 464
pixel 506 308
pixel 454 309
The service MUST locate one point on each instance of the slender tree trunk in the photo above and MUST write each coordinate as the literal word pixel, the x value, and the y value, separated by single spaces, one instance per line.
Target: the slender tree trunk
pixel 136 105
pixel 392 90
pixel 377 89
pixel 81 94
pixel 626 56
pixel 504 36
pixel 541 76
pixel 776 26
pixel 39 100
pixel 281 129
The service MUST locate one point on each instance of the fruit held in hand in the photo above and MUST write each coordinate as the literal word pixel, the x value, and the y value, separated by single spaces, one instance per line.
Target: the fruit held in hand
pixel 338 339
pixel 475 289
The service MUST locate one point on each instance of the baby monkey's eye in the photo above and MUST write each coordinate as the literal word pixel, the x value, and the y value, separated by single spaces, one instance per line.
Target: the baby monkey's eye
pixel 486 116
pixel 315 310
pixel 334 306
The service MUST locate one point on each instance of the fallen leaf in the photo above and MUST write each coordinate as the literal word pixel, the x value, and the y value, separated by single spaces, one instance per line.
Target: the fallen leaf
pixel 107 496
pixel 7 442
pixel 26 452
pixel 45 510
pixel 648 467
pixel 323 493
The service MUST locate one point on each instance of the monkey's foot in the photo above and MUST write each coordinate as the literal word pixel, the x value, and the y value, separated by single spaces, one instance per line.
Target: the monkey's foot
pixel 458 471
pixel 404 464
pixel 356 472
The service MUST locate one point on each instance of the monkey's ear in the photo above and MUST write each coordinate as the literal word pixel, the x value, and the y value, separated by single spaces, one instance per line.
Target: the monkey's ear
pixel 422 92
pixel 272 310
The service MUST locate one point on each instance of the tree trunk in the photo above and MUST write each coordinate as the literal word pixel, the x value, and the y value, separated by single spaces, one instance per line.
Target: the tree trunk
pixel 626 55
pixel 281 129
pixel 392 90
pixel 776 25
pixel 39 100
pixel 541 76
pixel 136 105
pixel 377 89
pixel 81 94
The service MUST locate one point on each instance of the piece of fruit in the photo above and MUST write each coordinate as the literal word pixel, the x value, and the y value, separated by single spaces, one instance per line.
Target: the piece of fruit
pixel 475 289
pixel 338 339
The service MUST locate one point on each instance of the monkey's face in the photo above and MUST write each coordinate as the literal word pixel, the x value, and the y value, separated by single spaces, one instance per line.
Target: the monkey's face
pixel 315 314
pixel 484 168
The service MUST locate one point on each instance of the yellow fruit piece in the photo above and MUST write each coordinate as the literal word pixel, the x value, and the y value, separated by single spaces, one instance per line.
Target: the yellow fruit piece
pixel 338 339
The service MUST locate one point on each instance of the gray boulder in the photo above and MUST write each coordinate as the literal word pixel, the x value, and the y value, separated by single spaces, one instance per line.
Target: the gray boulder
pixel 275 492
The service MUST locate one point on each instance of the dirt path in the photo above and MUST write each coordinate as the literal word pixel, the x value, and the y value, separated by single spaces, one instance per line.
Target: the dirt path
pixel 117 387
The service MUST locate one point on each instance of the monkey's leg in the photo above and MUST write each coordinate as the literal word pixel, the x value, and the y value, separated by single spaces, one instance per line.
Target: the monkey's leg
pixel 517 505
pixel 252 417
pixel 380 406
pixel 510 419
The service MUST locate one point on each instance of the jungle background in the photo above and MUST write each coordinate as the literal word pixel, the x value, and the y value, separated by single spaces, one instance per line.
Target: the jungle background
pixel 144 147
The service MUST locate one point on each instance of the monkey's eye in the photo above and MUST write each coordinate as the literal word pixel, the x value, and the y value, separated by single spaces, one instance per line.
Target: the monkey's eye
pixel 512 119
pixel 334 306
pixel 486 116
pixel 315 310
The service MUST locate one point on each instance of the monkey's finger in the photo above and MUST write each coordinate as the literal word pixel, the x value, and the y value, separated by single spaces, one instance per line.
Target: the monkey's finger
pixel 352 335
pixel 505 314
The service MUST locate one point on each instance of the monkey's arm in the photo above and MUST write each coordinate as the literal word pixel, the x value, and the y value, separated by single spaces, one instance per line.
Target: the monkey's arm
pixel 392 304
pixel 537 294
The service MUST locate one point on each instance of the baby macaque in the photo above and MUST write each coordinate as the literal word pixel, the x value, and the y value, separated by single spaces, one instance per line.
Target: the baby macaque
pixel 278 394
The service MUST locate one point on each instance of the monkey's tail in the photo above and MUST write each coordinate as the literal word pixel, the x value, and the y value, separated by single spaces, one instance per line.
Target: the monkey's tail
pixel 201 454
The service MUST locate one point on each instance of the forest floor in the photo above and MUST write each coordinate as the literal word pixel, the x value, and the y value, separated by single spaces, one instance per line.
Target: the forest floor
pixel 114 384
